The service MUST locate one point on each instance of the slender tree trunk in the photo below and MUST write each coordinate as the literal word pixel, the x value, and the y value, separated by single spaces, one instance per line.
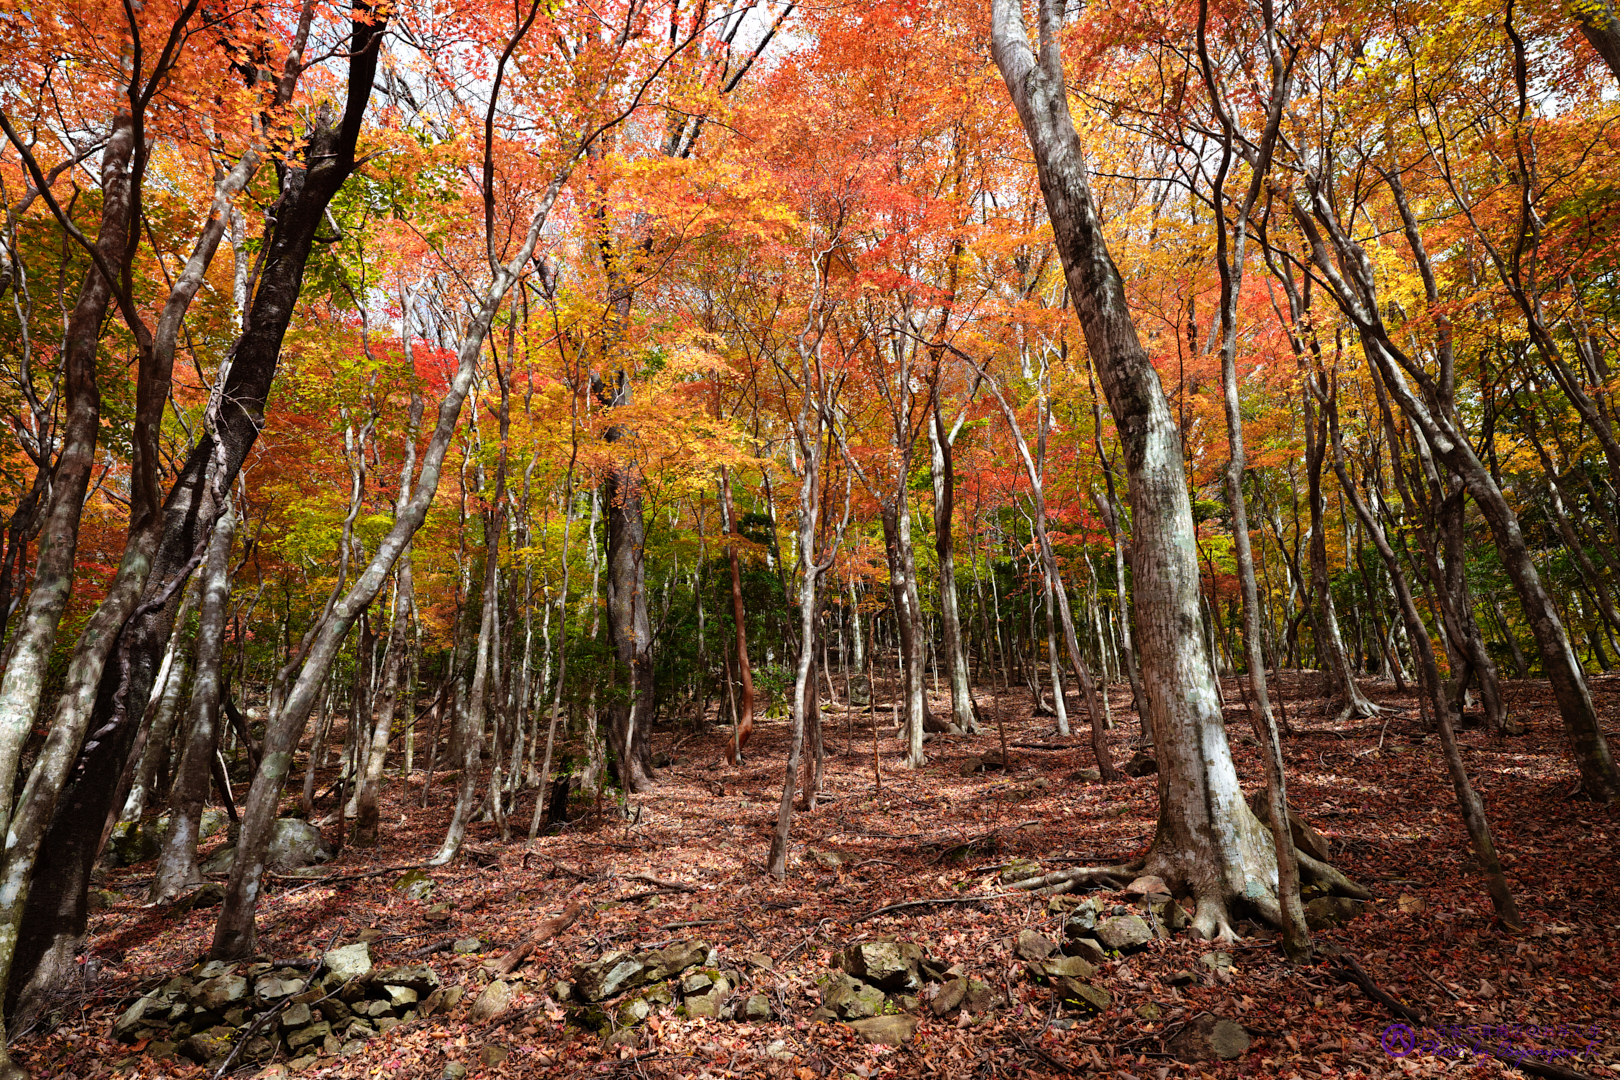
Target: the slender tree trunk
pixel 744 725
pixel 172 679
pixel 941 467
pixel 177 861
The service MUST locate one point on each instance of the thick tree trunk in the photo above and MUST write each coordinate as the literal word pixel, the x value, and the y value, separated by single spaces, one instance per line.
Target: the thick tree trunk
pixel 177 861
pixel 630 628
pixel 1207 842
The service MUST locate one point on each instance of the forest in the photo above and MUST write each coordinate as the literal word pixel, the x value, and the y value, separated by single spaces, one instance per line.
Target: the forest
pixel 714 538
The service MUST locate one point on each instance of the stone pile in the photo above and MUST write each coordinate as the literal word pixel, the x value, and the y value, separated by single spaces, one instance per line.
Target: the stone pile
pixel 687 972
pixel 281 1012
pixel 881 987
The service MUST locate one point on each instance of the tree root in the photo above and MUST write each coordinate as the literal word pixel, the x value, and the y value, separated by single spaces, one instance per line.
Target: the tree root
pixel 1115 877
pixel 1330 877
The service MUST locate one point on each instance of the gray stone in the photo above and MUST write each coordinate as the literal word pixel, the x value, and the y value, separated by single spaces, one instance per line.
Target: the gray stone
pixel 419 977
pixel 759 960
pixel 1087 949
pixel 453 1071
pixel 1149 887
pixel 126 1024
pixel 132 842
pixel 352 1047
pixel 349 962
pixel 360 1029
pixel 1062 967
pixel 891 965
pixel 1124 932
pixel 305 1036
pixel 492 1055
pixel 1088 998
pixel 218 994
pixel 860 691
pixel 468 945
pixel 1217 961
pixel 757 1007
pixel 1033 946
pixel 491 1003
pixel 162 1051
pixel 215 968
pixel 1149 1012
pixel 274 987
pixel 295 1016
pixel 980 997
pixel 442 1000
pixel 950 997
pixel 1210 1038
pixel 886 1030
pixel 849 998
pixel 1141 764
pixel 603 978
pixel 1082 920
pixel 660 964
pixel 696 983
pixel 1327 912
pixel 827 860
pixel 294 844
pixel 707 1004
pixel 399 996
pixel 207 1047
pixel 415 885
pixel 1085 776
pixel 210 824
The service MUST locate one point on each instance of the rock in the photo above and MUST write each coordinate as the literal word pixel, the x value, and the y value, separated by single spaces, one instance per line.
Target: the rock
pixel 848 998
pixel 1210 1038
pixel 1327 912
pixel 1033 946
pixel 349 962
pixel 1512 726
pixel 629 1038
pixel 779 1050
pixel 708 1004
pixel 132 842
pixel 860 691
pixel 294 1016
pixel 1083 920
pixel 468 945
pixel 950 997
pixel 891 965
pixel 218 994
pixel 360 1029
pixel 493 1054
pixel 102 899
pixel 443 1000
pixel 1020 870
pixel 1149 1012
pixel 604 978
pixel 1216 961
pixel 759 960
pixel 307 1036
pixel 886 1030
pixel 414 885
pixel 418 977
pixel 401 996
pixel 1084 776
pixel 1088 998
pixel 210 895
pixel 1141 764
pixel 937 971
pixel 1150 888
pixel 207 1047
pixel 210 824
pixel 1306 838
pixel 296 844
pixel 979 998
pixel 131 1018
pixel 491 1003
pixel 1124 932
pixel 696 983
pixel 455 1070
pixel 1062 967
pixel 275 987
pixel 215 968
pixel 438 913
pixel 660 964
pixel 757 1007
pixel 829 860
pixel 162 1051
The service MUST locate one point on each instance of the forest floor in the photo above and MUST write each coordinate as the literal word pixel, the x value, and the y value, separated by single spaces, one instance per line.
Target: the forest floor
pixel 1377 789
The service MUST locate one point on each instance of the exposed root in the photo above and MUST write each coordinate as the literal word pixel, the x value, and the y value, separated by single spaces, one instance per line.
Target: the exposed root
pixel 1330 877
pixel 1114 877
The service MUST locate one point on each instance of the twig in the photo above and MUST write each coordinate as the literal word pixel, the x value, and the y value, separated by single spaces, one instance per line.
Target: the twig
pixel 686 925
pixel 552 926
pixel 1352 972
pixel 927 903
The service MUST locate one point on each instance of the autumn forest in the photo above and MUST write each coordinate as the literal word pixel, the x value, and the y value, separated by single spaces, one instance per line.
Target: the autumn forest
pixel 862 538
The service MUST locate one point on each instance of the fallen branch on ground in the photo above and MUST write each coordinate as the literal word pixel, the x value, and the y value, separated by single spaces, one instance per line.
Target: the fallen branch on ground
pixel 550 928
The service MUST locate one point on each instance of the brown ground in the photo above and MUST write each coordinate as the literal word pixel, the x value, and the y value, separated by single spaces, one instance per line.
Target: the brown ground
pixel 1379 791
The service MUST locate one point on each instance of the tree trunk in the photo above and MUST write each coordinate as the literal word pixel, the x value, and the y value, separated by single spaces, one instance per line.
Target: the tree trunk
pixel 902 570
pixel 744 726
pixel 628 624
pixel 1208 842
pixel 964 713
pixel 177 861
pixel 172 679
